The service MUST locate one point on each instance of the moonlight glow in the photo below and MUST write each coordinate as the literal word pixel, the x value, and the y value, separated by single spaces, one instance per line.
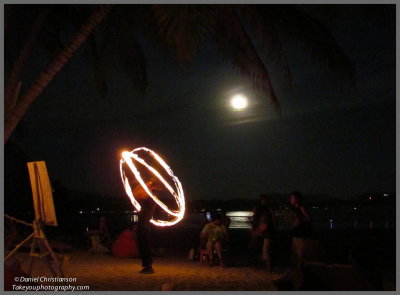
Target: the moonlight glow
pixel 129 158
pixel 239 102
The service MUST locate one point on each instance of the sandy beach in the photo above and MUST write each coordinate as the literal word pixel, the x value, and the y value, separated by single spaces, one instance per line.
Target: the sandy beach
pixel 104 272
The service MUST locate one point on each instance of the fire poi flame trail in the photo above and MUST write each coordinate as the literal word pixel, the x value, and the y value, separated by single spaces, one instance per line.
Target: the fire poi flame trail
pixel 177 192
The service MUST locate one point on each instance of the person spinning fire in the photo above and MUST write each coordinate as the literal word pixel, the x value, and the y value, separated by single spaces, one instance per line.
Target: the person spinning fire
pixel 146 213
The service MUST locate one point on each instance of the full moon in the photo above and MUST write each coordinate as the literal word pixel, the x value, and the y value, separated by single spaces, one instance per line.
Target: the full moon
pixel 239 102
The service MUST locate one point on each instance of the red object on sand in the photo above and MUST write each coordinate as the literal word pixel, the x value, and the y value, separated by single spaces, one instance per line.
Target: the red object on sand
pixel 125 246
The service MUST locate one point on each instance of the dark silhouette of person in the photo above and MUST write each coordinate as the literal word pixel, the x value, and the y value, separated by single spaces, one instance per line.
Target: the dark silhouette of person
pixel 301 226
pixel 105 236
pixel 264 227
pixel 225 219
pixel 145 214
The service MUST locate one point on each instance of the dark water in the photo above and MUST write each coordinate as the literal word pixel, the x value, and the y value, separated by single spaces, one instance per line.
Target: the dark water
pixel 339 233
pixel 326 220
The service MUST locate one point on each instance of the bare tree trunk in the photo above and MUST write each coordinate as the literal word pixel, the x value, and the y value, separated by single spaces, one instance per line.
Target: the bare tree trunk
pixel 15 75
pixel 52 69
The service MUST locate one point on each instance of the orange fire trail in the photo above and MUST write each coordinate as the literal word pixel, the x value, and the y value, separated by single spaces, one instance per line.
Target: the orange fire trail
pixel 177 192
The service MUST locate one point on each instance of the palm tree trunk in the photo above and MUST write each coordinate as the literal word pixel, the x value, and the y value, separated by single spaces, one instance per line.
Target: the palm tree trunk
pixel 52 69
pixel 15 75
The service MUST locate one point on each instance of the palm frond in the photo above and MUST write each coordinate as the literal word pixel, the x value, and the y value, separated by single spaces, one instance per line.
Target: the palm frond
pixel 182 28
pixel 340 12
pixel 19 24
pixel 24 53
pixel 296 25
pixel 10 10
pixel 266 31
pixel 120 49
pixel 234 41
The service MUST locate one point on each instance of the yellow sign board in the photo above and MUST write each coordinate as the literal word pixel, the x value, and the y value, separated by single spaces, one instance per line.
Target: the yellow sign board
pixel 42 193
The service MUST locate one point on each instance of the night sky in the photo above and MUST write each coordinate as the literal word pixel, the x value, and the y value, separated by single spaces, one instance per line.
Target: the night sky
pixel 329 139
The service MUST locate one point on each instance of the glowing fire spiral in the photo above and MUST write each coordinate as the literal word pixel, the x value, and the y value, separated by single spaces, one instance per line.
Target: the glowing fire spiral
pixel 177 192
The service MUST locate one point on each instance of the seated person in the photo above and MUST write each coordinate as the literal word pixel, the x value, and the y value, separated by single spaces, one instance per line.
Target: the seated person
pixel 215 233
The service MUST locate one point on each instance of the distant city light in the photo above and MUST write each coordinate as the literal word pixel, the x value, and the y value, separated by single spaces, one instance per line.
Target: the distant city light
pixel 239 102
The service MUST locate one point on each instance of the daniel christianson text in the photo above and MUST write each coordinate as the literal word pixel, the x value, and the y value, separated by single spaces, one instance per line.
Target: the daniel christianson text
pixel 44 280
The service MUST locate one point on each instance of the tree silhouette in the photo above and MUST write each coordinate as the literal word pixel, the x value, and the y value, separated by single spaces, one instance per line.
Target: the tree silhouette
pixel 178 29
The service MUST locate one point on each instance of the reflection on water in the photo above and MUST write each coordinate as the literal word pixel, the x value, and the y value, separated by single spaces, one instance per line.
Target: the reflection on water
pixel 243 219
pixel 240 219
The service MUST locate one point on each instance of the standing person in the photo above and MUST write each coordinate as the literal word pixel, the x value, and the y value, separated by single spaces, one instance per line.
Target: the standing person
pixel 301 227
pixel 143 226
pixel 264 227
pixel 215 233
